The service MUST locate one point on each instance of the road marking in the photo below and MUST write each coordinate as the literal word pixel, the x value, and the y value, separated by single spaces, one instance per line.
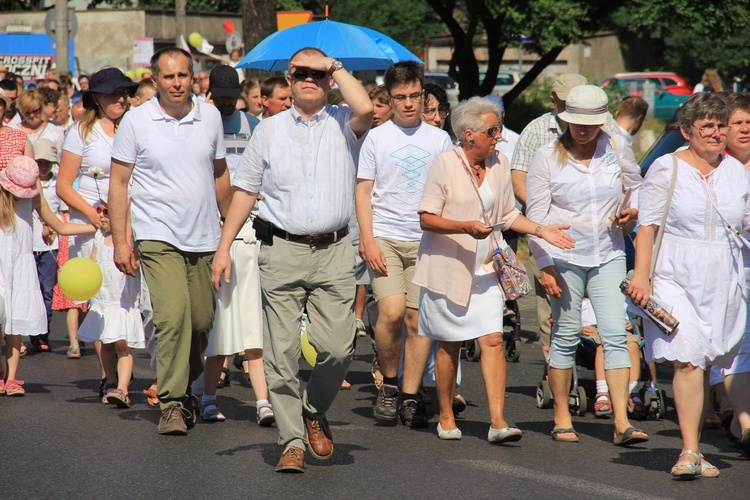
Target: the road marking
pixel 596 490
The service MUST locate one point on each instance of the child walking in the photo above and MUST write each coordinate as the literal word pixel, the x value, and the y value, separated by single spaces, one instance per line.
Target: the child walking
pixel 114 319
pixel 22 298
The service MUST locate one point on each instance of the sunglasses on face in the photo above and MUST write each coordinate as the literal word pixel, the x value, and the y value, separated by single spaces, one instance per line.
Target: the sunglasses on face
pixel 492 131
pixel 102 210
pixel 303 74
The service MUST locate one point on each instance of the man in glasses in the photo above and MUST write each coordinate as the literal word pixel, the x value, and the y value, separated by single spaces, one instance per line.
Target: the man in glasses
pixel 275 95
pixel 302 162
pixel 393 165
pixel 11 117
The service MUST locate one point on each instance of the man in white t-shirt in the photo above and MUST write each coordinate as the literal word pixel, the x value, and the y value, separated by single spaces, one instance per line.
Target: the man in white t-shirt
pixel 393 164
pixel 173 147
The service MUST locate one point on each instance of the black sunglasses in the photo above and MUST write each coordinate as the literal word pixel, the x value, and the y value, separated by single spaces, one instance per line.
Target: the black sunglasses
pixel 302 74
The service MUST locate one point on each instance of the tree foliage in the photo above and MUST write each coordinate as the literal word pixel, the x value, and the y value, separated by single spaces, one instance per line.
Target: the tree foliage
pixel 707 34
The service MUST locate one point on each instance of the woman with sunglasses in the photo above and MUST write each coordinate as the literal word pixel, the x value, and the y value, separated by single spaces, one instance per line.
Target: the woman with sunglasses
pixel 468 197
pixel 87 152
pixel 697 273
pixel 579 179
pixel 35 123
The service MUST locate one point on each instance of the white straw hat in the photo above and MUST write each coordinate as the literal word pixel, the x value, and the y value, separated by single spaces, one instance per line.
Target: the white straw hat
pixel 586 105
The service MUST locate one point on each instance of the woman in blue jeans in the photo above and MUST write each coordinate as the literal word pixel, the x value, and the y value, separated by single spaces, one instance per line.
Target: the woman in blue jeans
pixel 583 179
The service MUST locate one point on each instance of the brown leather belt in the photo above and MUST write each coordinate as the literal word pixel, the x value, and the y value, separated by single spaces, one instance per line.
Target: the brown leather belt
pixel 314 240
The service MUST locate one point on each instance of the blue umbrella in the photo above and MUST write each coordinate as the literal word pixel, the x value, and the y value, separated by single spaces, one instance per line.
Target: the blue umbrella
pixel 357 47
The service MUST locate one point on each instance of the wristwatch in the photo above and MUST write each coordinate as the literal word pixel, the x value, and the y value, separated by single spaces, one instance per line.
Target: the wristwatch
pixel 335 66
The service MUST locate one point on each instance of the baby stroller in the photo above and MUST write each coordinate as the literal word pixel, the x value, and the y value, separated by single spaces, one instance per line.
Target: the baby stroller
pixel 577 399
pixel 654 398
pixel 511 335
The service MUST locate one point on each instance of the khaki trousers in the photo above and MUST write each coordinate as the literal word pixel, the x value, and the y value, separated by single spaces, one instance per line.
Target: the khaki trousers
pixel 182 298
pixel 295 277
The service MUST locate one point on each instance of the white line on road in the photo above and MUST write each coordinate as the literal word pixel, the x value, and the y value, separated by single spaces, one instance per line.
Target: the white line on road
pixel 590 488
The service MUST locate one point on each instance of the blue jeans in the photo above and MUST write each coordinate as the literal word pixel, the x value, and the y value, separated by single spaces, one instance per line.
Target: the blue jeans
pixel 46 269
pixel 603 286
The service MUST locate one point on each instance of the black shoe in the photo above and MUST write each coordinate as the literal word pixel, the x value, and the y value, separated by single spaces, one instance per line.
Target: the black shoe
pixel 224 379
pixel 412 414
pixel 385 406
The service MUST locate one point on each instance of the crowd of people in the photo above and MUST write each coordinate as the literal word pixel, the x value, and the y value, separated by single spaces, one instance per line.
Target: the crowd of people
pixel 227 215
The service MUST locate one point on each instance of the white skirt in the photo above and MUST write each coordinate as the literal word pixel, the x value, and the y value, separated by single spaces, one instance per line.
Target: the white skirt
pixel 238 322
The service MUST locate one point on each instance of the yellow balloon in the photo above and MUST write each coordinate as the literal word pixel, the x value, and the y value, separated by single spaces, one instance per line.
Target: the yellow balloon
pixel 140 71
pixel 80 278
pixel 130 74
pixel 195 39
pixel 308 351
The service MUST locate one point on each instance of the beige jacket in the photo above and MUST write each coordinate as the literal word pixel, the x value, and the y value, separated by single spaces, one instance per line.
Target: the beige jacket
pixel 445 263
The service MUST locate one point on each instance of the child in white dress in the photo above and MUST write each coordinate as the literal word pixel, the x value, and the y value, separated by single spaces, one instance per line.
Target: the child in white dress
pixel 115 320
pixel 22 298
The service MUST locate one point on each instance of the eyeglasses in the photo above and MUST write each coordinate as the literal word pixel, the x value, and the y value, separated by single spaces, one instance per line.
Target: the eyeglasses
pixel 399 98
pixel 431 112
pixel 492 131
pixel 102 210
pixel 303 74
pixel 709 130
pixel 34 112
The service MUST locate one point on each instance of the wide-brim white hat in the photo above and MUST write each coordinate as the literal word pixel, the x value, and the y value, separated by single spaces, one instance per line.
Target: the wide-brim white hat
pixel 586 105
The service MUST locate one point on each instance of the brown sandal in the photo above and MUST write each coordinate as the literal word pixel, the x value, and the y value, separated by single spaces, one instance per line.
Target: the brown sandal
pixel 151 398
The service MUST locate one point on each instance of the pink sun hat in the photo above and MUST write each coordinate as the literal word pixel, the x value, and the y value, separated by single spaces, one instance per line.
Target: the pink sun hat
pixel 20 177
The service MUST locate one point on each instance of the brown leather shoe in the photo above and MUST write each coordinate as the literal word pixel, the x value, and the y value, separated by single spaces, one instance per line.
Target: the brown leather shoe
pixel 319 438
pixel 292 460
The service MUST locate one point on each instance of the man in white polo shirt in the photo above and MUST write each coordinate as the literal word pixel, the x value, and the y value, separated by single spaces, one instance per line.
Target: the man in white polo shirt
pixel 173 146
pixel 393 165
pixel 302 161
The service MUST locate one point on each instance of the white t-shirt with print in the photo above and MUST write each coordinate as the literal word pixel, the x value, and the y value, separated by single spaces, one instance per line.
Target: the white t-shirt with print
pixel 398 160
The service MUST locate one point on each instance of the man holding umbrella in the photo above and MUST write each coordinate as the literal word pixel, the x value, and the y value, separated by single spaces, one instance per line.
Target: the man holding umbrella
pixel 302 162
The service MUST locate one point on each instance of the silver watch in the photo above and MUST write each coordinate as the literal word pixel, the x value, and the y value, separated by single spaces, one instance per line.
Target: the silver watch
pixel 336 65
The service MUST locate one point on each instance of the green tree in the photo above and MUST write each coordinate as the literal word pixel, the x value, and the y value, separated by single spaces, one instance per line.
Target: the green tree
pixel 708 34
pixel 550 24
pixel 407 22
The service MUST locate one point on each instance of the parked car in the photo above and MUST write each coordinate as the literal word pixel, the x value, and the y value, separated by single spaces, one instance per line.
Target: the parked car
pixel 665 104
pixel 671 82
pixel 445 81
pixel 506 80
pixel 668 142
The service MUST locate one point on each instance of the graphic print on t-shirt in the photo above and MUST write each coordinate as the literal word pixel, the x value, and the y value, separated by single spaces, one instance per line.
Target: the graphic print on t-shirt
pixel 412 161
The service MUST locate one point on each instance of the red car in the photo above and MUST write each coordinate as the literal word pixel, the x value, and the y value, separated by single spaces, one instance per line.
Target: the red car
pixel 633 82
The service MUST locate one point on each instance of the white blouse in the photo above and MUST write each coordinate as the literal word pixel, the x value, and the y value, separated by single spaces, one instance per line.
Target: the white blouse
pixel 583 198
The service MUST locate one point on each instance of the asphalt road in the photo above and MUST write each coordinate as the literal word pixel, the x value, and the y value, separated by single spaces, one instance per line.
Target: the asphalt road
pixel 59 441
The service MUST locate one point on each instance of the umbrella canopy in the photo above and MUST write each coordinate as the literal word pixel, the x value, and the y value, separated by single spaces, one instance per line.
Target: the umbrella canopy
pixel 357 47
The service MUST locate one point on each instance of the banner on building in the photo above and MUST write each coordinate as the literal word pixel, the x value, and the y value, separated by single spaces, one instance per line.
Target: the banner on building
pixel 143 49
pixel 30 56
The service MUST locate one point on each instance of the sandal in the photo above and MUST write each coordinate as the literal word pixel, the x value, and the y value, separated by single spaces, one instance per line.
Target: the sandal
pixel 13 388
pixel 119 398
pixel 706 469
pixel 264 415
pixel 239 361
pixel 224 379
pixel 151 398
pixel 73 353
pixel 22 350
pixel 556 435
pixel 345 386
pixel 636 408
pixel 602 405
pixel 690 469
pixel 107 389
pixel 627 438
pixel 211 412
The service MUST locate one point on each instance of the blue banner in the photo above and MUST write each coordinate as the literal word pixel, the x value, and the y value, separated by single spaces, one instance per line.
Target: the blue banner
pixel 30 56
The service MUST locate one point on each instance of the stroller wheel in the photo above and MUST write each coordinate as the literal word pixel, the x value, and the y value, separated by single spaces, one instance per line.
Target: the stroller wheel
pixel 512 350
pixel 661 412
pixel 473 352
pixel 577 402
pixel 543 395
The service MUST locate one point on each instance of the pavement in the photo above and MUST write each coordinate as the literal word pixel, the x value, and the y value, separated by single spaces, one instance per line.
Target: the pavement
pixel 60 441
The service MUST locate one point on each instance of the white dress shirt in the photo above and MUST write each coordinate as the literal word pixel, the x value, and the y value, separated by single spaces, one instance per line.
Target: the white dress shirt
pixel 305 170
pixel 582 197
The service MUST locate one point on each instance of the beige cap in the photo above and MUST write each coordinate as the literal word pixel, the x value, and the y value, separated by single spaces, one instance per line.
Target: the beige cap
pixel 44 149
pixel 563 83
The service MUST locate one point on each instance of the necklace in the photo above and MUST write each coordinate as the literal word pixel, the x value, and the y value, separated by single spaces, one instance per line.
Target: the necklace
pixel 476 171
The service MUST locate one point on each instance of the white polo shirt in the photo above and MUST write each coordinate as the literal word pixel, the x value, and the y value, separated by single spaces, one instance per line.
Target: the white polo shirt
pixel 173 188
pixel 304 170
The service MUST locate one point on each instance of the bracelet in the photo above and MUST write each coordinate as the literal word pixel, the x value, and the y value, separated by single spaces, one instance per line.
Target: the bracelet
pixel 537 229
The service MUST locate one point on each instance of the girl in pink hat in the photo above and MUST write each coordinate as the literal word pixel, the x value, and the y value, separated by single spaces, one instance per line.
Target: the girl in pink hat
pixel 20 293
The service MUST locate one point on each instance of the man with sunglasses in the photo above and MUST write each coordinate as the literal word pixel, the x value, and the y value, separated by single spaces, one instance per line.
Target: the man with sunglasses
pixel 12 117
pixel 393 165
pixel 302 162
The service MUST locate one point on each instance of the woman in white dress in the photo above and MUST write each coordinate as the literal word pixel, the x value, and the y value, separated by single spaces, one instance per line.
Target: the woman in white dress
pixel 580 179
pixel 699 269
pixel 461 298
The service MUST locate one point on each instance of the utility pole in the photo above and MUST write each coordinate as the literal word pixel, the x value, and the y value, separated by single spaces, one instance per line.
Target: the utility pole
pixel 181 18
pixel 61 38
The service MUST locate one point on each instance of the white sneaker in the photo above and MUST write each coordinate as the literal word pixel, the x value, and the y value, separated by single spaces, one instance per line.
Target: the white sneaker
pixel 264 416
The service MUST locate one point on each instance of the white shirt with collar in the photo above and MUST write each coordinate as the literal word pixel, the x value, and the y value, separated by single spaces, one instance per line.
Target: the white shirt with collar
pixel 173 188
pixel 582 197
pixel 305 170
pixel 507 143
